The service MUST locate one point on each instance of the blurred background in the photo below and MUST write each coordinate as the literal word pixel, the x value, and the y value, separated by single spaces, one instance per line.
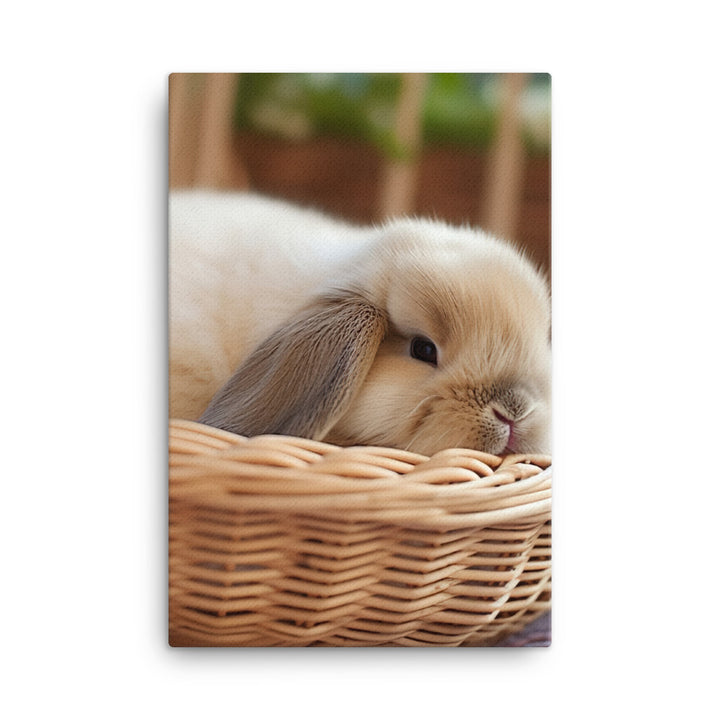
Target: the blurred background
pixel 466 147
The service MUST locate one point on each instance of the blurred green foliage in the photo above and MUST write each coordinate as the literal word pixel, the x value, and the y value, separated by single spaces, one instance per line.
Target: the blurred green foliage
pixel 460 109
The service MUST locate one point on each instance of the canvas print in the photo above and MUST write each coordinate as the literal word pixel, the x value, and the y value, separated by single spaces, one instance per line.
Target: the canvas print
pixel 359 359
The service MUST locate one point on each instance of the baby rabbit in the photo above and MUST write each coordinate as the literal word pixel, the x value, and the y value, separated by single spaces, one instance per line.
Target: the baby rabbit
pixel 413 334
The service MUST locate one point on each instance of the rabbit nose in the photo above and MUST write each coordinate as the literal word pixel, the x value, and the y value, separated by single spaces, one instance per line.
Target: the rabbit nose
pixel 503 418
pixel 511 429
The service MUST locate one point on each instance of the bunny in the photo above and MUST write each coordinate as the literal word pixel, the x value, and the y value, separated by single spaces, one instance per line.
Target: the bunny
pixel 413 334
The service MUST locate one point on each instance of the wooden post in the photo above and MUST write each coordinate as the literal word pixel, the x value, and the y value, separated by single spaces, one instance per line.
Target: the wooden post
pixel 183 109
pixel 397 194
pixel 216 167
pixel 507 165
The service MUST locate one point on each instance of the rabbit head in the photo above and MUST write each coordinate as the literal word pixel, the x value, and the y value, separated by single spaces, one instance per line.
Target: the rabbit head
pixel 433 337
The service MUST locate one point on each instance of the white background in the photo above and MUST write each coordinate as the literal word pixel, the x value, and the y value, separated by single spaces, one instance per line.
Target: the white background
pixel 635 235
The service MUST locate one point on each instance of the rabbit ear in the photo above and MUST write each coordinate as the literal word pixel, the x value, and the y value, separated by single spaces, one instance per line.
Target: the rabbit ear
pixel 302 378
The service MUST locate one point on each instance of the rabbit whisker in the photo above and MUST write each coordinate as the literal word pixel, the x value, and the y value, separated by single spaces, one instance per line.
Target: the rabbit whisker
pixel 421 403
pixel 437 440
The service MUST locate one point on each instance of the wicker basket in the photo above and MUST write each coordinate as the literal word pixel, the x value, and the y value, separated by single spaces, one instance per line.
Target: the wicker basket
pixel 284 541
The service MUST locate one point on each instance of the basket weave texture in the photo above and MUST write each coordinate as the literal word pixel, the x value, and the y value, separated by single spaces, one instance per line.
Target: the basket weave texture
pixel 277 540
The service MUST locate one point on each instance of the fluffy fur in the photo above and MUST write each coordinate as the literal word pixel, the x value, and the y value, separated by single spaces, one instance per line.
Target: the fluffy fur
pixel 283 320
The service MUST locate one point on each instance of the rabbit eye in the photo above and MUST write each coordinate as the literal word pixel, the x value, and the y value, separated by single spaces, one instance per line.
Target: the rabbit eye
pixel 423 349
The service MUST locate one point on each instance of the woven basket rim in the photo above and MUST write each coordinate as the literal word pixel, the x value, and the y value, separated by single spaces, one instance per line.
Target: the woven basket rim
pixel 452 489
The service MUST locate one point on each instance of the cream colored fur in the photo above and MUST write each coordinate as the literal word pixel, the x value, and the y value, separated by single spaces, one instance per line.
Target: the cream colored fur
pixel 283 320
